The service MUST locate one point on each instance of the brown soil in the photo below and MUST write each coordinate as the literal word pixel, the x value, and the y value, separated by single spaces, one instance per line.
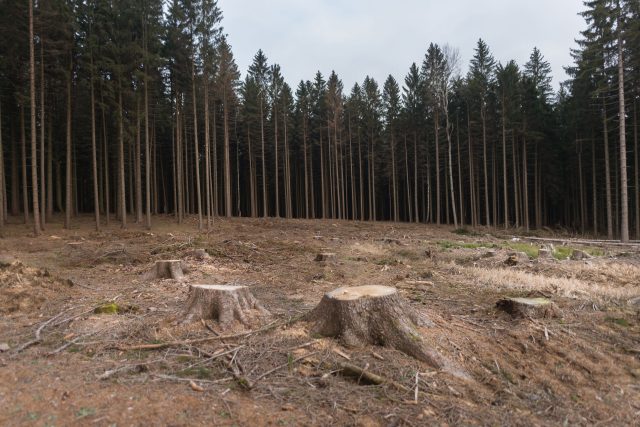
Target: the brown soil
pixel 137 363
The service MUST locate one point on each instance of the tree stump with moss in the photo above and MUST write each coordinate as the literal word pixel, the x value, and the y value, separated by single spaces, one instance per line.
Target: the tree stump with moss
pixel 528 307
pixel 224 304
pixel 374 315
pixel 166 269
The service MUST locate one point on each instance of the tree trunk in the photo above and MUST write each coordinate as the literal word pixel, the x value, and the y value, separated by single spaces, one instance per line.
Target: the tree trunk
pixel 265 203
pixel 207 154
pixel 43 202
pixel 636 181
pixel 306 164
pixel 484 159
pixel 196 154
pixel 227 159
pixel 460 190
pixel 504 167
pixel 624 198
pixel 394 190
pixel 451 183
pixel 94 159
pixel 3 194
pixel 23 152
pixel 525 181
pixel 408 180
pixel 594 190
pixel 122 183
pixel 415 178
pixel 137 154
pixel 607 171
pixel 147 152
pixel 49 172
pixel 436 126
pixel 34 153
pixel 107 175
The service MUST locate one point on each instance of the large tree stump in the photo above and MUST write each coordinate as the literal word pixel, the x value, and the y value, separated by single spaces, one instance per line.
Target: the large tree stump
pixel 223 303
pixel 166 269
pixel 528 307
pixel 374 315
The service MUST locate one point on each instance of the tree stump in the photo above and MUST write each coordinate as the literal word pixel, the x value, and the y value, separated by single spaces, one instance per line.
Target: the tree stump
pixel 199 254
pixel 374 315
pixel 325 256
pixel 579 255
pixel 528 307
pixel 223 303
pixel 545 253
pixel 166 269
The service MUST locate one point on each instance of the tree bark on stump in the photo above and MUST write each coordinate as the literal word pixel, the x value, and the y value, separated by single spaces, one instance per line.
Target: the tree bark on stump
pixel 374 315
pixel 528 307
pixel 166 269
pixel 325 256
pixel 223 303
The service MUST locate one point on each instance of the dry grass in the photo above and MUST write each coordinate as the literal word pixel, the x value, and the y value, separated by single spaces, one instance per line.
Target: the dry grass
pixel 517 280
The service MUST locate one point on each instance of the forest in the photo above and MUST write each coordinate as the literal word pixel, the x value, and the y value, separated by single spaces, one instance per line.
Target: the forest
pixel 133 109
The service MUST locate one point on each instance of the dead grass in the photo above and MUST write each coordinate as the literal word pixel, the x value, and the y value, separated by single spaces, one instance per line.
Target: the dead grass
pixel 523 281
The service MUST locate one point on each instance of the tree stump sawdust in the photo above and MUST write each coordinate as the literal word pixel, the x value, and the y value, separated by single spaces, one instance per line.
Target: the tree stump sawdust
pixel 528 307
pixel 374 315
pixel 225 304
pixel 166 269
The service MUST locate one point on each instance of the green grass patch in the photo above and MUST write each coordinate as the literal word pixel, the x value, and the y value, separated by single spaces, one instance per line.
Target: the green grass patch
pixel 594 251
pixel 447 244
pixel 618 321
pixel 85 412
pixel 562 252
pixel 530 250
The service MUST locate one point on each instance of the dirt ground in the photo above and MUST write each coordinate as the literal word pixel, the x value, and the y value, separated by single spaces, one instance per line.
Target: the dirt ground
pixel 579 368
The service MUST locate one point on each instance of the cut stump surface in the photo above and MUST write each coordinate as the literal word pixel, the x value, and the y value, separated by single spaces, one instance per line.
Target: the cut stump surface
pixel 224 304
pixel 166 269
pixel 375 315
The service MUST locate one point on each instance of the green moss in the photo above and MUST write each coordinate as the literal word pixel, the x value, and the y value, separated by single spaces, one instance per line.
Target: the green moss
pixel 113 308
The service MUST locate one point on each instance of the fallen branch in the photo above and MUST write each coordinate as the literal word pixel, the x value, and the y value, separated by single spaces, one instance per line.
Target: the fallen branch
pixel 160 346
pixel 38 338
pixel 355 371
pixel 174 378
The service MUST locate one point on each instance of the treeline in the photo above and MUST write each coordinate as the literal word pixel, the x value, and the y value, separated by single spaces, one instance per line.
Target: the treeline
pixel 130 109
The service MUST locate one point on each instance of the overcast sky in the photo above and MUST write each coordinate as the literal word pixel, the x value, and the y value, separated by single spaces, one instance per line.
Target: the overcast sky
pixel 378 38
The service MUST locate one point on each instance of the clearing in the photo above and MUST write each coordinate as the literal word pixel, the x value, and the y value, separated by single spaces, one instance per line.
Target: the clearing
pixel 89 337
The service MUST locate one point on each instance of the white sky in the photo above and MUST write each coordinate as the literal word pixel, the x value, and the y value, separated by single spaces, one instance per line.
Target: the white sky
pixel 378 37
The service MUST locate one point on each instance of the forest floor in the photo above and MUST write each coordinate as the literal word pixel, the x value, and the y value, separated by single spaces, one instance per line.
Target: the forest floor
pixel 580 368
